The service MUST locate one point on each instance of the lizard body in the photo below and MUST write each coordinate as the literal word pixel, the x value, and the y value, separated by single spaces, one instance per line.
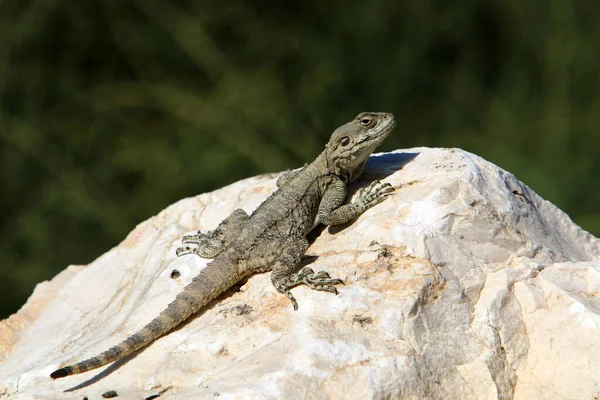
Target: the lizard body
pixel 274 236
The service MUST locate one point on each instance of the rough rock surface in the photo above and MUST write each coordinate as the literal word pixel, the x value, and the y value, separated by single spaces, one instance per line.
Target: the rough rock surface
pixel 465 284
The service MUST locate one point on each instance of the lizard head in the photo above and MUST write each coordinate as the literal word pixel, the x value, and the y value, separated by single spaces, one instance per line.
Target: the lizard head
pixel 351 144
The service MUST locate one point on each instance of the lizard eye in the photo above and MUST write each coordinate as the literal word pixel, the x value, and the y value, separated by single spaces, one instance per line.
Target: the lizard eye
pixel 345 141
pixel 366 121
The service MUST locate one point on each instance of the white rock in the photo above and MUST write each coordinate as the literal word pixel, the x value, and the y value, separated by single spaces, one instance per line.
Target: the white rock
pixel 465 284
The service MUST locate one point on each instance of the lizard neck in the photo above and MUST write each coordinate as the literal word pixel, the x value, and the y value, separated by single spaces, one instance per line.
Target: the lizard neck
pixel 325 164
pixel 322 167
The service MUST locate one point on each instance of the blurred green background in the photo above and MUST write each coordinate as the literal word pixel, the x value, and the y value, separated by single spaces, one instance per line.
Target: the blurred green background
pixel 112 110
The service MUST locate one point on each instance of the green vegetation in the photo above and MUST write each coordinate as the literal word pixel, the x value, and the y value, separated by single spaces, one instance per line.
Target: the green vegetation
pixel 110 111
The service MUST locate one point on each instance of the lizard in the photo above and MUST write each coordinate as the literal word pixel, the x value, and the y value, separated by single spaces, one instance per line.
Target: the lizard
pixel 273 237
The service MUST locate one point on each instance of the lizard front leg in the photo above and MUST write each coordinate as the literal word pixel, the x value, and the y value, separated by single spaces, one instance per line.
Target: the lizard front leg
pixel 210 244
pixel 284 278
pixel 332 213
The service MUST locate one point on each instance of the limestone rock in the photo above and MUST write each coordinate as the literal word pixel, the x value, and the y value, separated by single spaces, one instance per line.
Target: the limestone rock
pixel 464 284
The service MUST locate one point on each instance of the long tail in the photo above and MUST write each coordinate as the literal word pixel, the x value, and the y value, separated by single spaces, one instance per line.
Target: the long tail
pixel 206 286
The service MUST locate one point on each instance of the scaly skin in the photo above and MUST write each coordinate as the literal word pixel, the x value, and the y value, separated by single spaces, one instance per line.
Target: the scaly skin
pixel 274 236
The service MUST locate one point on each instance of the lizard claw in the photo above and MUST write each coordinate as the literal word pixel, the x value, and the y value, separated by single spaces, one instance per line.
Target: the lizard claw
pixel 321 275
pixel 290 296
pixel 373 194
pixel 306 276
pixel 181 251
pixel 194 239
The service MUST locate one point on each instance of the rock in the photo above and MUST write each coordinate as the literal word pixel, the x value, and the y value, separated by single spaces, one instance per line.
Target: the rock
pixel 465 284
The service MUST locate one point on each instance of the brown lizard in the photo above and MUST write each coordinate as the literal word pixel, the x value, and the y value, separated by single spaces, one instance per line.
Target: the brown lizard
pixel 274 236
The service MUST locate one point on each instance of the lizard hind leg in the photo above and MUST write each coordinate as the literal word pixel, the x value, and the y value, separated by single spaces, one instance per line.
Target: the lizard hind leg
pixel 210 244
pixel 284 278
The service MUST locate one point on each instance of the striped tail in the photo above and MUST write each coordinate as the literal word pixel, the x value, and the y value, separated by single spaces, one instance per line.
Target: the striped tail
pixel 206 286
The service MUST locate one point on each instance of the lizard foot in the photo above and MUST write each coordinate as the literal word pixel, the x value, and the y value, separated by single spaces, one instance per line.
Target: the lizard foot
pixel 317 281
pixel 205 245
pixel 373 194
